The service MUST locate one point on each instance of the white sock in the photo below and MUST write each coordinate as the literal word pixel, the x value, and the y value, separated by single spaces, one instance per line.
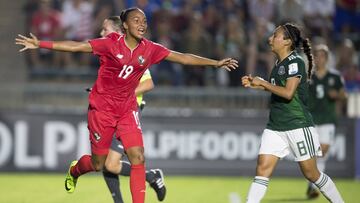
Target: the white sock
pixel 257 189
pixel 328 189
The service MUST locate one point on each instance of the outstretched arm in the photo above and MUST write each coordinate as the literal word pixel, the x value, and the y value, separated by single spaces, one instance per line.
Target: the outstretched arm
pixel 69 46
pixel 191 59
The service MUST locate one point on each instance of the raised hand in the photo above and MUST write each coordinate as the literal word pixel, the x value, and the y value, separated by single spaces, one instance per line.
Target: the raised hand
pixel 252 82
pixel 246 80
pixel 228 64
pixel 28 43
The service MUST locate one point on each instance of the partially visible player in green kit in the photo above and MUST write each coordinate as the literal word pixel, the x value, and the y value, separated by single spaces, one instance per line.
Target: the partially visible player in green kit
pixel 290 128
pixel 326 89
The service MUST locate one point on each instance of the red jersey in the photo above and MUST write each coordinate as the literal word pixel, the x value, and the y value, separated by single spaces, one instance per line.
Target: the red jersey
pixel 45 26
pixel 121 69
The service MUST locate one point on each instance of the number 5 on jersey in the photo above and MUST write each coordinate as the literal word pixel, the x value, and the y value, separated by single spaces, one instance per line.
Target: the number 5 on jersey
pixel 126 71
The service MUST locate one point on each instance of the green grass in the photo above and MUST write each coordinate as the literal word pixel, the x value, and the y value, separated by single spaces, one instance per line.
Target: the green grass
pixel 49 188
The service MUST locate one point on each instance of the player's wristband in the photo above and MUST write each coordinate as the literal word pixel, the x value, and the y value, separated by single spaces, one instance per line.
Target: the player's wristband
pixel 46 44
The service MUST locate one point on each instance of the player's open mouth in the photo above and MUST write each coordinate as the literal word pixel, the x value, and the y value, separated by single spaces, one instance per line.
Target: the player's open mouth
pixel 141 31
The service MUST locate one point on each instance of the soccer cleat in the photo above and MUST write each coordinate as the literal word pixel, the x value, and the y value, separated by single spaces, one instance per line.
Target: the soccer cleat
pixel 158 184
pixel 312 193
pixel 70 181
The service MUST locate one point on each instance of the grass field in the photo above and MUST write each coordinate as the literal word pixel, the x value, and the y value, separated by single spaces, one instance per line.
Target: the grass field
pixel 49 188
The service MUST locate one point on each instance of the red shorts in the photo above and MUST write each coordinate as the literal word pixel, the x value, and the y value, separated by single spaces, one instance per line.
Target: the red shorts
pixel 103 125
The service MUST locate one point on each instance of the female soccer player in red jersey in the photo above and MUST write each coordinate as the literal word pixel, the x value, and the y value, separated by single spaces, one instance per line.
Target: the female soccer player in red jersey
pixel 112 101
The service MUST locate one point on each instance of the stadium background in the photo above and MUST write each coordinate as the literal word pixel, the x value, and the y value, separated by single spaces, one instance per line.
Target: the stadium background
pixel 197 122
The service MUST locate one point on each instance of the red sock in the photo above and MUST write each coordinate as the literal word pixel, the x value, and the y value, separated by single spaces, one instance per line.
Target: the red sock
pixel 83 166
pixel 137 183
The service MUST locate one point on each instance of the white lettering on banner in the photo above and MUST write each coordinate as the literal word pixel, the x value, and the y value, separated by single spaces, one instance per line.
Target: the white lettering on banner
pixel 168 144
pixel 21 158
pixel 150 148
pixel 209 145
pixel 65 138
pixel 230 145
pixel 193 144
pixel 338 149
pixel 5 144
pixel 55 131
pixel 83 146
pixel 249 145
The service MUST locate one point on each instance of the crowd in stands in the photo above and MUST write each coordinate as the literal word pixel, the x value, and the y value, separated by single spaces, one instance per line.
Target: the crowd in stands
pixel 211 28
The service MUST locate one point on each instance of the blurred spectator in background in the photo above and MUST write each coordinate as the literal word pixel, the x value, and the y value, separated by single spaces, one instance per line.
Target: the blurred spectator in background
pixel 166 73
pixel 196 40
pixel 232 42
pixel 211 20
pixel 318 17
pixel 348 64
pixel 260 59
pixel 347 19
pixel 103 9
pixel 29 9
pixel 45 23
pixel 77 20
pixel 148 6
pixel 239 28
pixel 294 11
pixel 261 10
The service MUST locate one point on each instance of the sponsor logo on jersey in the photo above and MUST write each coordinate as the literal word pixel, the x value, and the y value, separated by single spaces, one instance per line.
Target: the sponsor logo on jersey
pixel 141 60
pixel 293 68
pixel 97 136
pixel 331 82
pixel 281 70
pixel 119 56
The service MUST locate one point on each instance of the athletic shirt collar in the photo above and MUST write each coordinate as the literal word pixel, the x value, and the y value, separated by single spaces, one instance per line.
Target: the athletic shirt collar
pixel 123 42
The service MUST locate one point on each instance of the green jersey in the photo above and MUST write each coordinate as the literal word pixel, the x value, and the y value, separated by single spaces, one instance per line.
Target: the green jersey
pixel 289 114
pixel 322 107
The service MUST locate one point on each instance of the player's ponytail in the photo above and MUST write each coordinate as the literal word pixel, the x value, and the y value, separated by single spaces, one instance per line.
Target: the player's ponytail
pixel 307 50
pixel 293 33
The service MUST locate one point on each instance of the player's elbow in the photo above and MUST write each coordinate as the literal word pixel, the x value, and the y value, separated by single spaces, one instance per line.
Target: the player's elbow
pixel 289 96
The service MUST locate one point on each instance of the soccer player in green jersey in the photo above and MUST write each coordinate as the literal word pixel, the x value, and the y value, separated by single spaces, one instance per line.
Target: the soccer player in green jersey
pixel 326 88
pixel 290 128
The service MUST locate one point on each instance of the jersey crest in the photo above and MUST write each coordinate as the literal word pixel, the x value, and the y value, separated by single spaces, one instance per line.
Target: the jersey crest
pixel 141 60
pixel 281 70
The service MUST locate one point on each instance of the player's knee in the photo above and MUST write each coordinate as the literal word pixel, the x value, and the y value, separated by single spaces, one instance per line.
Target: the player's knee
pixel 137 158
pixel 112 167
pixel 136 155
